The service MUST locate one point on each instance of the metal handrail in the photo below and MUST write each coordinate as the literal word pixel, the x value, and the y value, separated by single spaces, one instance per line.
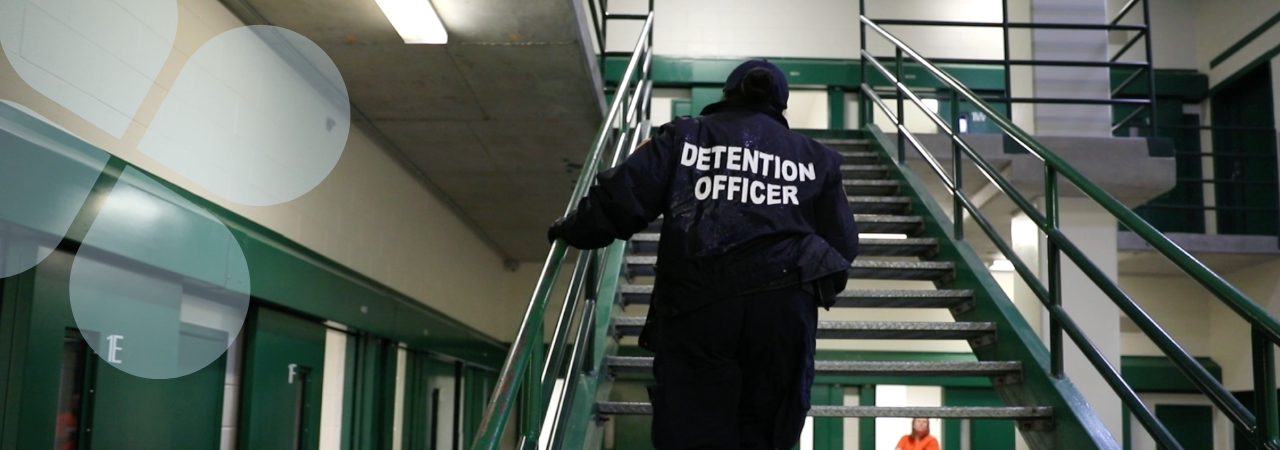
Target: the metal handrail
pixel 617 126
pixel 1261 429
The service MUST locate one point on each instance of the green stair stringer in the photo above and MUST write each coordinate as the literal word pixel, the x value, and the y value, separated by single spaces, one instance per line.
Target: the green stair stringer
pixel 585 427
pixel 1075 425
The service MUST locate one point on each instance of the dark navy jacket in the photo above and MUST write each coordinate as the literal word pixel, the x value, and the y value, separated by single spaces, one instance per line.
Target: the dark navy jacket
pixel 748 205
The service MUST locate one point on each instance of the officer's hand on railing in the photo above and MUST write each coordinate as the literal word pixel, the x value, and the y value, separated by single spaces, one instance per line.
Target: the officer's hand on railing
pixel 555 231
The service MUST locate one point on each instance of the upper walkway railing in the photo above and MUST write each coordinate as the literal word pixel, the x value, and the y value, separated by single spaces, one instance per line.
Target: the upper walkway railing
pixel 1141 69
pixel 525 374
pixel 1261 428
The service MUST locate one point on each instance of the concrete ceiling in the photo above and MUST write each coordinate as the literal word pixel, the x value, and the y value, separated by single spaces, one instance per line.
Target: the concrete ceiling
pixel 491 119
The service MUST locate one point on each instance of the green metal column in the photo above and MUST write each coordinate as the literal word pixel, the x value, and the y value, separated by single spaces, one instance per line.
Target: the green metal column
pixel 835 108
pixel 867 426
pixel 828 432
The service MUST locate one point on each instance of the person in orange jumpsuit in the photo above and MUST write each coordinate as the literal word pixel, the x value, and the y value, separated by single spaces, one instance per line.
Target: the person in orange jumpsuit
pixel 919 439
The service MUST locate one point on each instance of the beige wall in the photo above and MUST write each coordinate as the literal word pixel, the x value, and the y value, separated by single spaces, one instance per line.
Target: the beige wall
pixel 1222 24
pixel 1178 304
pixel 370 214
pixel 1199 322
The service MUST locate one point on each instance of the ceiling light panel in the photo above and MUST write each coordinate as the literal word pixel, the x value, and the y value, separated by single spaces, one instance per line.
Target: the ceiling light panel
pixel 415 20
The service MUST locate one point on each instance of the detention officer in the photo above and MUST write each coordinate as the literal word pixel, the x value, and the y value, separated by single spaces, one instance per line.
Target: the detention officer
pixel 756 233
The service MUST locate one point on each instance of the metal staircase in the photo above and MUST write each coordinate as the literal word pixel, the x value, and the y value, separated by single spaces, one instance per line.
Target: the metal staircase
pixel 882 206
pixel 560 384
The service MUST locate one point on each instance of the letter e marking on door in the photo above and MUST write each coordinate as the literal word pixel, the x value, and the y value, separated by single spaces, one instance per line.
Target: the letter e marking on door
pixel 114 347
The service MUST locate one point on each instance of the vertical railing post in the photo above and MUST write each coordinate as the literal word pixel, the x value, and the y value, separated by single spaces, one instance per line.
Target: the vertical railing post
pixel 902 119
pixel 957 207
pixel 1052 215
pixel 1008 55
pixel 1151 67
pixel 864 109
pixel 1264 387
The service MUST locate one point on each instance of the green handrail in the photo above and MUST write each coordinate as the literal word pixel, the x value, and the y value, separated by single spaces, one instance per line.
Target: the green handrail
pixel 528 339
pixel 1262 430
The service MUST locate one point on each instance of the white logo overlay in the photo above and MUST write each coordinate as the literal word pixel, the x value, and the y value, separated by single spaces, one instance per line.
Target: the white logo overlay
pixel 257 115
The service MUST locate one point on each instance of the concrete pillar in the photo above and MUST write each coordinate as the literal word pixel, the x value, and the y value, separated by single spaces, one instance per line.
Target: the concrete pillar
pixel 1071 82
pixel 1093 230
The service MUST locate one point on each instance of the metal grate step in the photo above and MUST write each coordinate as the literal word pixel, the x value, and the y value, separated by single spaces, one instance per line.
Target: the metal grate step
pixel 871 187
pixel 840 329
pixel 903 298
pixel 641 364
pixel 943 412
pixel 936 271
pixel 647 243
pixel 879 204
pixel 880 223
pixel 918 247
pixel 640 294
pixel 864 171
pixel 859 157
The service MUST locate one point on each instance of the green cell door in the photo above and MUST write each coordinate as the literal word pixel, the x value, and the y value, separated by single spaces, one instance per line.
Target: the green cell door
pixel 1245 155
pixel 132 413
pixel 431 419
pixel 1191 425
pixel 280 404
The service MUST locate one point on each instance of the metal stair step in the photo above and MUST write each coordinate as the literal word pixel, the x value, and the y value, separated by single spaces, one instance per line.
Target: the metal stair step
pixel 640 294
pixel 943 412
pixel 936 271
pixel 881 223
pixel 879 204
pixel 865 171
pixel 867 223
pixel 859 157
pixel 642 364
pixel 842 329
pixel 919 247
pixel 841 143
pixel 871 187
pixel 903 298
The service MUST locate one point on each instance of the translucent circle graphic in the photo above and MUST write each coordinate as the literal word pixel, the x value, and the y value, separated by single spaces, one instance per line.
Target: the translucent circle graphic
pixel 98 59
pixel 259 116
pixel 159 287
pixel 46 175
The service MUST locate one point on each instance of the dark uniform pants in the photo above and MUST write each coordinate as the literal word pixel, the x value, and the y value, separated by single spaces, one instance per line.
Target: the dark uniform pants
pixel 735 374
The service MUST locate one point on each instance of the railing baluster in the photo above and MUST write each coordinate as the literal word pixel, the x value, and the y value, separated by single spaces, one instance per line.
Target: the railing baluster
pixel 1052 215
pixel 1151 68
pixel 1264 387
pixel 902 120
pixel 864 105
pixel 957 207
pixel 1008 55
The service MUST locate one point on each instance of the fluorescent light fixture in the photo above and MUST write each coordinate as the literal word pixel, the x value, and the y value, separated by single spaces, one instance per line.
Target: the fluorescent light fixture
pixel 1001 265
pixel 415 20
